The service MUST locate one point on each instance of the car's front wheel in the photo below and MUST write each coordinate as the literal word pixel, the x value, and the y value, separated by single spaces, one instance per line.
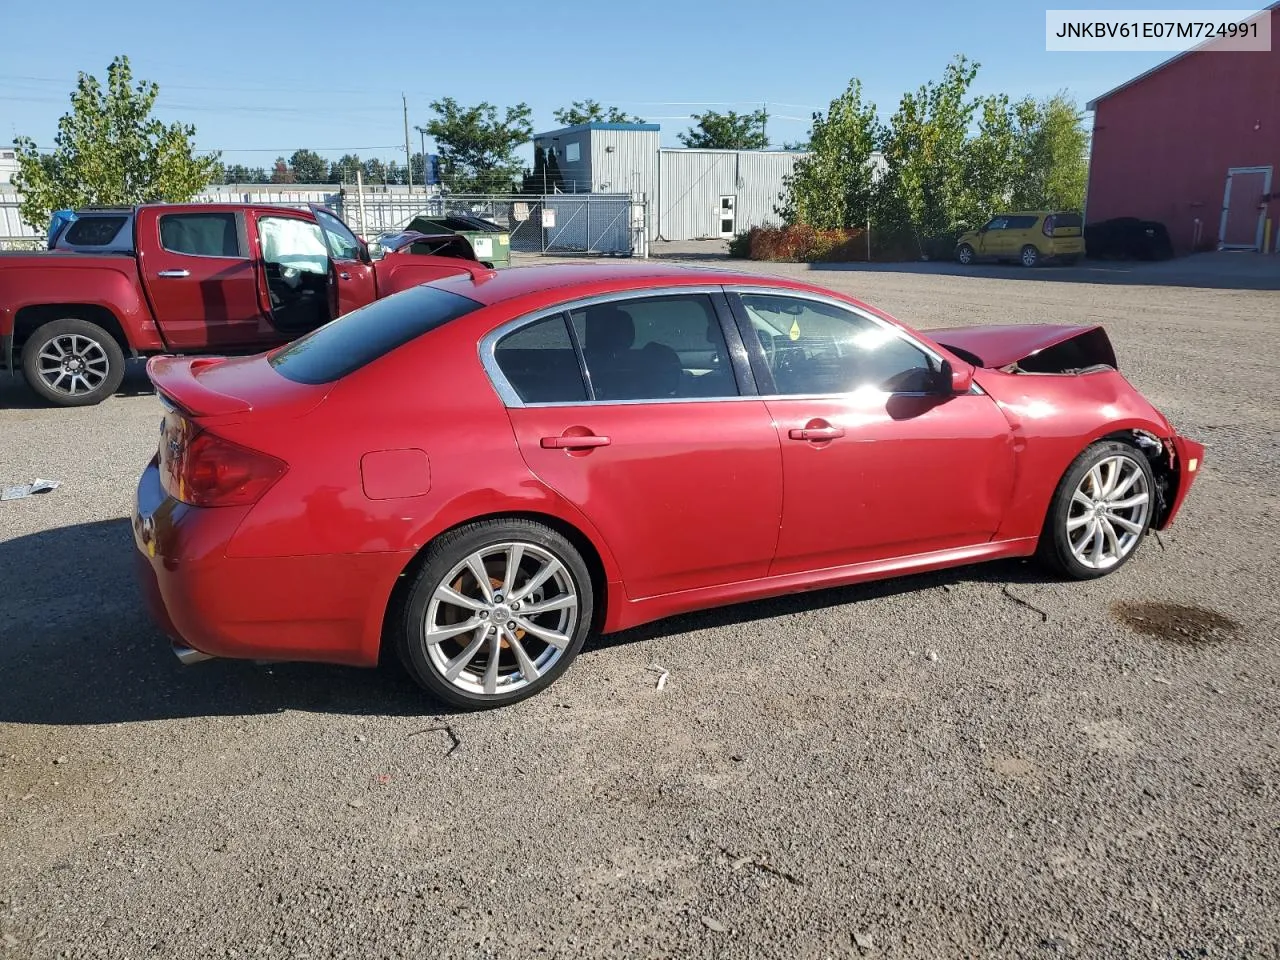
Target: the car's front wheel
pixel 498 611
pixel 964 253
pixel 1100 512
pixel 1030 255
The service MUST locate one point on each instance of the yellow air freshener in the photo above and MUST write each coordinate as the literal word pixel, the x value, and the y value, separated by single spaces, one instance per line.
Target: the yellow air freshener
pixel 795 329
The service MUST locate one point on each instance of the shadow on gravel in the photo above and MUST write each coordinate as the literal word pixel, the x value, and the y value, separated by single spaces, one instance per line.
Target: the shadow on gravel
pixel 16 395
pixel 77 647
pixel 1215 271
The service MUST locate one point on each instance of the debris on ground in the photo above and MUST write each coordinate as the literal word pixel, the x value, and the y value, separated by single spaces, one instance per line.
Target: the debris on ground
pixel 862 941
pixel 20 490
pixel 711 923
pixel 931 656
pixel 737 863
pixel 1018 600
pixel 442 728
pixel 662 676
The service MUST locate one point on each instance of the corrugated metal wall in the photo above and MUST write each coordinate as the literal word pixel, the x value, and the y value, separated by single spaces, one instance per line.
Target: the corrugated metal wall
pixel 692 182
pixel 624 161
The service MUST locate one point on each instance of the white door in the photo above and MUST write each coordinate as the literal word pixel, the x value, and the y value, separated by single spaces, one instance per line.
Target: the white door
pixel 727 219
pixel 1243 209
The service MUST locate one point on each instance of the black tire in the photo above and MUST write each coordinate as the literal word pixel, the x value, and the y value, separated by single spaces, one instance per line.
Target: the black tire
pixel 1054 548
pixel 964 254
pixel 440 562
pixel 95 344
pixel 1029 256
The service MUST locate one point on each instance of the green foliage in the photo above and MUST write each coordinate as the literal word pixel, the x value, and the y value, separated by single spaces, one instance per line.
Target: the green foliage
pixel 239 173
pixel 308 166
pixel 110 150
pixel 344 169
pixel 589 111
pixel 1054 155
pixel 740 245
pixel 925 149
pixel 728 131
pixel 834 186
pixel 951 161
pixel 477 146
pixel 281 172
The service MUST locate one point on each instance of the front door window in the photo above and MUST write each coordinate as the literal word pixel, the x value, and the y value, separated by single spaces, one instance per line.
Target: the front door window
pixel 296 261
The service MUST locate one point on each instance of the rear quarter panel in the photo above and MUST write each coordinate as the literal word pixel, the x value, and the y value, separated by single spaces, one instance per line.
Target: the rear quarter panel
pixel 110 282
pixel 1054 417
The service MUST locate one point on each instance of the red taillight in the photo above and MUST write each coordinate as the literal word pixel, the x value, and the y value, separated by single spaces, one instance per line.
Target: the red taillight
pixel 205 470
pixel 1048 226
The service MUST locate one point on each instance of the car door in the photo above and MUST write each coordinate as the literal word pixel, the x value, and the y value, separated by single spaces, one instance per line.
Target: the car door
pixel 296 276
pixel 991 242
pixel 351 273
pixel 634 409
pixel 876 463
pixel 200 279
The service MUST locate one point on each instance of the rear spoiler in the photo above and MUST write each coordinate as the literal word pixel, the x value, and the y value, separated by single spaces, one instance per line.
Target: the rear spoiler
pixel 175 377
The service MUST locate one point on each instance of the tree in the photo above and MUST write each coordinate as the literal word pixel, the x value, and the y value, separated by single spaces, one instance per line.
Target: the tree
pixel 239 173
pixel 477 146
pixel 925 151
pixel 728 131
pixel 308 167
pixel 1053 156
pixel 110 150
pixel 281 172
pixel 375 171
pixel 589 111
pixel 545 177
pixel 834 186
pixel 344 169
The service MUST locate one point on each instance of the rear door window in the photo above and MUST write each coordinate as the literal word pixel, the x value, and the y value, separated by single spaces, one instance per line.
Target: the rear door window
pixel 540 363
pixel 345 345
pixel 201 234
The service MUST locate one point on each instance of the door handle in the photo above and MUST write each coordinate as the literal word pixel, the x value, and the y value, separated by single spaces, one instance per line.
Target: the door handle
pixel 173 274
pixel 574 443
pixel 815 433
pixel 344 276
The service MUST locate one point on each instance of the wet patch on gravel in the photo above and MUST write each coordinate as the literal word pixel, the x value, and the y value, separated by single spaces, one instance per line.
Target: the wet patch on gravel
pixel 1175 622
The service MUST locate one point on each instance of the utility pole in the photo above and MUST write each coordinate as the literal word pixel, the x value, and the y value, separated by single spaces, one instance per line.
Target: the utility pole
pixel 408 157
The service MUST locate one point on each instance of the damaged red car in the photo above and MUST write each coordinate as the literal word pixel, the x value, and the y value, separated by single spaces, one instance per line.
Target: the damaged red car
pixel 482 472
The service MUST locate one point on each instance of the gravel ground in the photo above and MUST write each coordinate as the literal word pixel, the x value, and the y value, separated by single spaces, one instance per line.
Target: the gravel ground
pixel 979 763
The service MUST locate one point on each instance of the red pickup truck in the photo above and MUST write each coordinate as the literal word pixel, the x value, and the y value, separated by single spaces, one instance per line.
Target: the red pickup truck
pixel 191 278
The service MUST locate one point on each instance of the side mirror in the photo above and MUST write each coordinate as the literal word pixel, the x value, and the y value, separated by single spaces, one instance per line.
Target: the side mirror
pixel 486 263
pixel 954 380
pixel 373 251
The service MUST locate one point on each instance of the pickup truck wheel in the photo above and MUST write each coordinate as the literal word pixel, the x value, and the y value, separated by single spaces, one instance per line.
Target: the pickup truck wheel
pixel 72 363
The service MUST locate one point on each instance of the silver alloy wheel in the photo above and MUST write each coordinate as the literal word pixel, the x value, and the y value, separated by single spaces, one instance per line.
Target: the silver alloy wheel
pixel 501 618
pixel 966 254
pixel 1030 255
pixel 73 364
pixel 1108 512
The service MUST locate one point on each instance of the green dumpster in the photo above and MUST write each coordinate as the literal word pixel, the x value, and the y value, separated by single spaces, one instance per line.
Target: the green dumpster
pixel 490 241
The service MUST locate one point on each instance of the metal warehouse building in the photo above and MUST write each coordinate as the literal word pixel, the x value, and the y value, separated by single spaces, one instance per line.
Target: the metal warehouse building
pixel 1193 143
pixel 691 194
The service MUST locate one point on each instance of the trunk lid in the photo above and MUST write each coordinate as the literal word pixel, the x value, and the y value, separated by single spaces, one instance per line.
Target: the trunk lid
pixel 219 387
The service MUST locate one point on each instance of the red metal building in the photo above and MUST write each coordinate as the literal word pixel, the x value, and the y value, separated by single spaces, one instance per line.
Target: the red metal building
pixel 1193 143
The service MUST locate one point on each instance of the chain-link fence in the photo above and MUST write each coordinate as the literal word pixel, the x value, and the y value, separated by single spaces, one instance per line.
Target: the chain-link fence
pixel 562 223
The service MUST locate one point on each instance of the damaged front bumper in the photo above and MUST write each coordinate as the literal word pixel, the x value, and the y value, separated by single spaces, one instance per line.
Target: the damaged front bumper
pixel 1186 459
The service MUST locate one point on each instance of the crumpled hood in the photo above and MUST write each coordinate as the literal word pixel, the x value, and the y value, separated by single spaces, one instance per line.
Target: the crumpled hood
pixel 1004 345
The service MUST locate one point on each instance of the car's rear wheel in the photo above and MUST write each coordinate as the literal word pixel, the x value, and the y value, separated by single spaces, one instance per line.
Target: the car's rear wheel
pixel 498 611
pixel 964 253
pixel 72 363
pixel 1030 256
pixel 1100 512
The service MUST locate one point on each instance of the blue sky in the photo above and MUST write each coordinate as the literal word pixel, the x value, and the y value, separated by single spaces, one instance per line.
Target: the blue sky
pixel 260 79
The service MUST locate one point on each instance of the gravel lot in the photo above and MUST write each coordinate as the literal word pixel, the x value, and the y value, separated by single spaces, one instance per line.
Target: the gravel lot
pixel 979 763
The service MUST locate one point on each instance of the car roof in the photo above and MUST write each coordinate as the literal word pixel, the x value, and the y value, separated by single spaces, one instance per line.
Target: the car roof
pixel 570 281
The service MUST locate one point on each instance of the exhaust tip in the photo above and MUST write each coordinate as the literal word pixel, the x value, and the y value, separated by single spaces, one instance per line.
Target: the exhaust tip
pixel 188 655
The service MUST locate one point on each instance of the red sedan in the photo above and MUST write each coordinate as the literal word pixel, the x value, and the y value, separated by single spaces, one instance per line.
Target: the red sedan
pixel 483 471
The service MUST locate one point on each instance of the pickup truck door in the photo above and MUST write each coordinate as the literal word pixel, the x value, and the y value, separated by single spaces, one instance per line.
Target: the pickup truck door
pixel 351 275
pixel 200 279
